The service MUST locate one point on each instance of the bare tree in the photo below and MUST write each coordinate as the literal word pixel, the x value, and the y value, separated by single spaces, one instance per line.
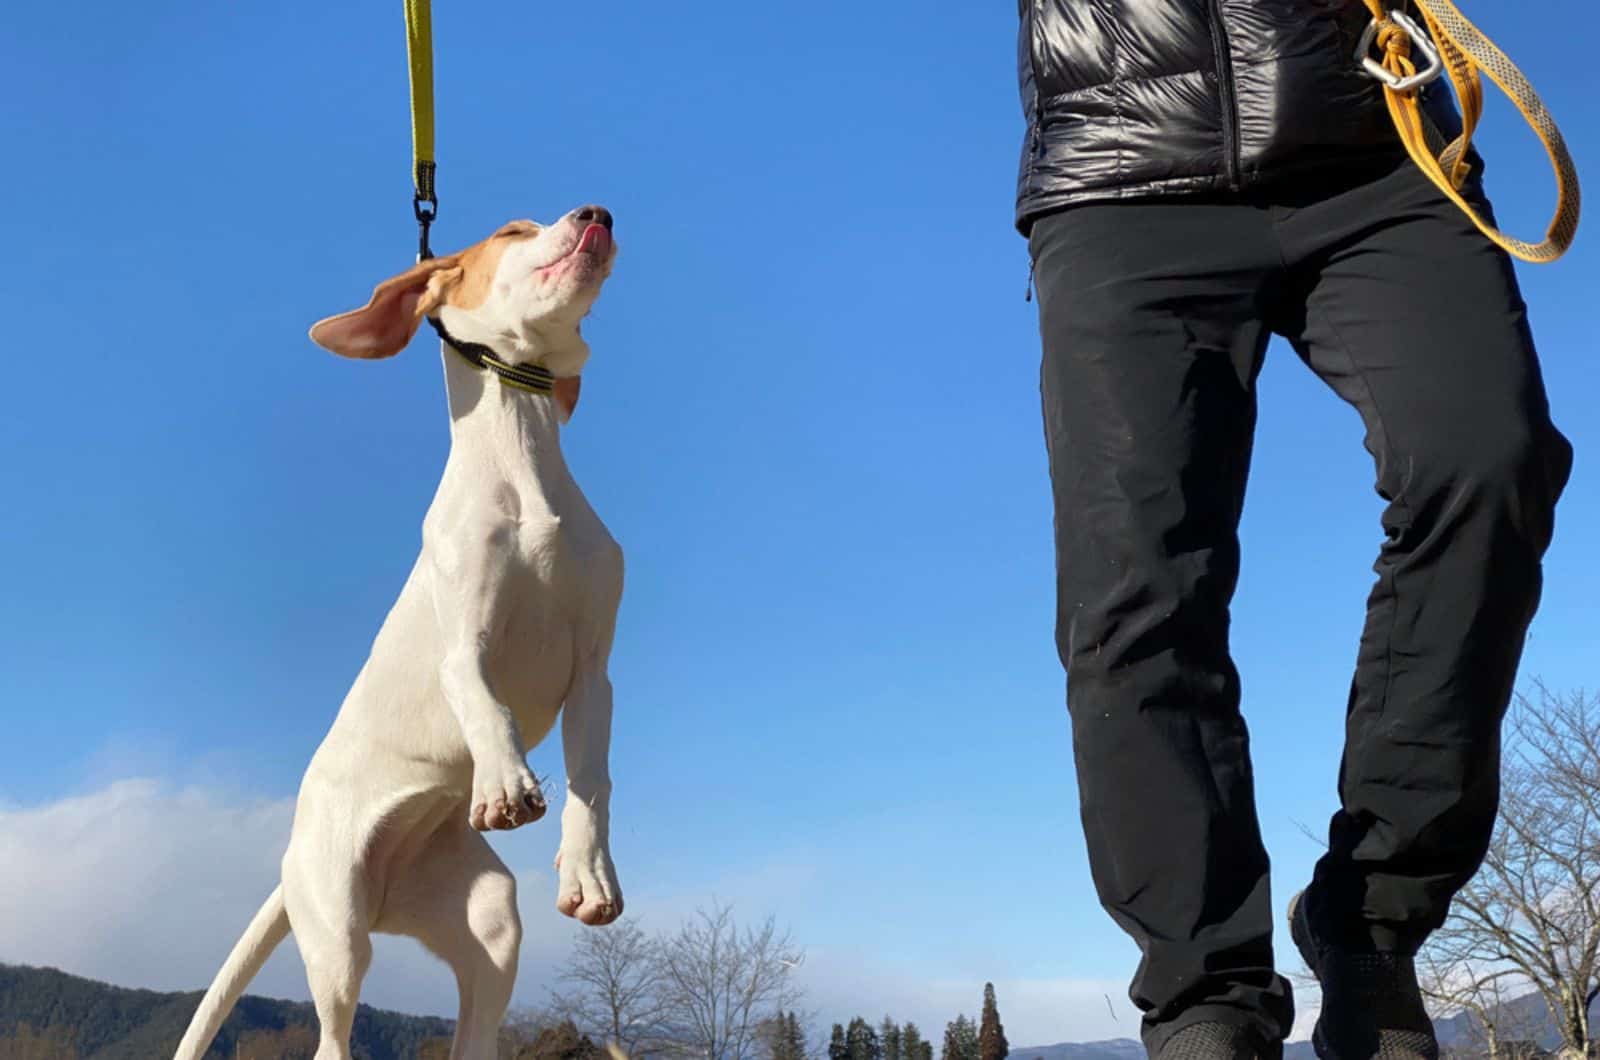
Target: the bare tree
pixel 1529 922
pixel 719 983
pixel 612 987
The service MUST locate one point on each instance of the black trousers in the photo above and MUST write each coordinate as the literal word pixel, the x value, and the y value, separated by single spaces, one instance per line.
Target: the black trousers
pixel 1154 318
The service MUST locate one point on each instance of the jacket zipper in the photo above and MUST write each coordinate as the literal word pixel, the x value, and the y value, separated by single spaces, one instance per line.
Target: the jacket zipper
pixel 1035 139
pixel 1035 135
pixel 1226 93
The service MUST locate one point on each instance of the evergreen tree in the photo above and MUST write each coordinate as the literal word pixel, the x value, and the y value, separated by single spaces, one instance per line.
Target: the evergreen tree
pixel 960 1040
pixel 889 1038
pixel 837 1049
pixel 774 1037
pixel 911 1042
pixel 862 1041
pixel 794 1038
pixel 992 1044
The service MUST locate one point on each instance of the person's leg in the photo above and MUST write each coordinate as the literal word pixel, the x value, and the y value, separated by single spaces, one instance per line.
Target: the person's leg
pixel 1150 323
pixel 1413 317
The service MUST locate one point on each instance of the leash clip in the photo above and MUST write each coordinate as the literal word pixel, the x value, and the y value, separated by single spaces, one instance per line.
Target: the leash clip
pixel 1433 65
pixel 425 206
pixel 424 219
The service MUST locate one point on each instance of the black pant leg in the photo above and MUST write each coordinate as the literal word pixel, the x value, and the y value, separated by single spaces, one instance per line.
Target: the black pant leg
pixel 1415 318
pixel 1149 317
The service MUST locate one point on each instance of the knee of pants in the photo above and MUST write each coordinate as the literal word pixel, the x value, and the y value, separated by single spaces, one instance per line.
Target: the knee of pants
pixel 1168 614
pixel 1146 563
pixel 1509 479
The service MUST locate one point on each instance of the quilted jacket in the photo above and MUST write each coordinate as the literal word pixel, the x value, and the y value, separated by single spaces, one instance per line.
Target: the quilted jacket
pixel 1137 98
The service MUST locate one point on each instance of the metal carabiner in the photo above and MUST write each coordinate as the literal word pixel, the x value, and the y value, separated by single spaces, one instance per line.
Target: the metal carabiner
pixel 1433 64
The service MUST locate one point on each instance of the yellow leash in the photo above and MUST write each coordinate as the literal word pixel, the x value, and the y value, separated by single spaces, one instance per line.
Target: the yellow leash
pixel 1459 49
pixel 419 50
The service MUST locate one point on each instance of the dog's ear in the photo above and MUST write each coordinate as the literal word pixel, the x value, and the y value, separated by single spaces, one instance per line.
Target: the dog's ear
pixel 383 326
pixel 566 395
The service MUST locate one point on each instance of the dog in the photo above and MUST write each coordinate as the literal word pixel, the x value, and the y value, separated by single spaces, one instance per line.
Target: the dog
pixel 505 622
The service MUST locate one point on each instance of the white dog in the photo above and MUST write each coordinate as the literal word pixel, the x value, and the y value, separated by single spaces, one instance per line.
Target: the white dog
pixel 505 622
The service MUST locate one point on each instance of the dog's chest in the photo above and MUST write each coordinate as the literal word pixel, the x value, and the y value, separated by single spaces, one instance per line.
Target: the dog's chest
pixel 563 586
pixel 569 561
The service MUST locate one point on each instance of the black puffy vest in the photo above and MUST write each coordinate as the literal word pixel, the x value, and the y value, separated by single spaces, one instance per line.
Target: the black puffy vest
pixel 1134 98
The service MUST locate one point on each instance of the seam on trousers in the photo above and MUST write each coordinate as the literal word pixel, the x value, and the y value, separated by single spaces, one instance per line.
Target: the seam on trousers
pixel 1340 344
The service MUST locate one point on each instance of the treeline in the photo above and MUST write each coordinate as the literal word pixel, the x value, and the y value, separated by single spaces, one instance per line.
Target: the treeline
pixel 716 990
pixel 888 1040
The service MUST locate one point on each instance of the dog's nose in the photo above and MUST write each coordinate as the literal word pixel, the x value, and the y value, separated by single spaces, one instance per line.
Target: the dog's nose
pixel 594 215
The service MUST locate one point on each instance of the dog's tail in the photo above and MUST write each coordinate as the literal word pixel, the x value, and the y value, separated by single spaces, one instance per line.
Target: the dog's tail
pixel 269 928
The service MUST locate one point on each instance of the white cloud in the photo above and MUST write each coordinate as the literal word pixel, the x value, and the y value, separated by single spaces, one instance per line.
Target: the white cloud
pixel 141 884
pixel 134 883
pixel 1306 1010
pixel 1307 995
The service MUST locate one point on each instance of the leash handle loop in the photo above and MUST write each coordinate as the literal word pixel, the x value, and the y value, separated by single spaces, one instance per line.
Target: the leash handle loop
pixel 1465 54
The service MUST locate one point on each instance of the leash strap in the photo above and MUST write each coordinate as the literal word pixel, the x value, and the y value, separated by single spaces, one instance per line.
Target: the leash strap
pixel 529 377
pixel 419 50
pixel 1460 50
pixel 425 201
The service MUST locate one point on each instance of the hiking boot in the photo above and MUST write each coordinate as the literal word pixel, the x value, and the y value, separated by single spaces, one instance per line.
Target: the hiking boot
pixel 1211 1040
pixel 1371 1003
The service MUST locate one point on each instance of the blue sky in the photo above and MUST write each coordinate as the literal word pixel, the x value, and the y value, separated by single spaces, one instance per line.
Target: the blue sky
pixel 811 419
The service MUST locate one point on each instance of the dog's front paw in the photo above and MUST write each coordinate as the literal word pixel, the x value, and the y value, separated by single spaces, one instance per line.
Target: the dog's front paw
pixel 589 890
pixel 504 796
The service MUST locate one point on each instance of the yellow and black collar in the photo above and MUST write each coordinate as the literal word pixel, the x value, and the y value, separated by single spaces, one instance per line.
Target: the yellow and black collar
pixel 529 377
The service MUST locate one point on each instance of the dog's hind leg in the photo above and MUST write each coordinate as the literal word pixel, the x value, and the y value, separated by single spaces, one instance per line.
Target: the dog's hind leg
pixel 460 901
pixel 327 908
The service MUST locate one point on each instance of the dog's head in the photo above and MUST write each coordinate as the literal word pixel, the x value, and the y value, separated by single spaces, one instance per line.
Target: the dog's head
pixel 522 292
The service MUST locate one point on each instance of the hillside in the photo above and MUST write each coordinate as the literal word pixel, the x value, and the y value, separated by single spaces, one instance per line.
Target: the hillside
pixel 50 1015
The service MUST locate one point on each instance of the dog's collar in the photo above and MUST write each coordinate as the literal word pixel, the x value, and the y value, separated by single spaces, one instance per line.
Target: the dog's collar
pixel 529 377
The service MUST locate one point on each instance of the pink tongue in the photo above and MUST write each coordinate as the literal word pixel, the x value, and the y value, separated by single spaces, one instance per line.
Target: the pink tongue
pixel 595 239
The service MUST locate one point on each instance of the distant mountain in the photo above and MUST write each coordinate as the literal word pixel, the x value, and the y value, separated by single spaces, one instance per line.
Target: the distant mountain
pixel 50 1014
pixel 1114 1049
pixel 1123 1049
pixel 1527 1014
pixel 1526 1018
